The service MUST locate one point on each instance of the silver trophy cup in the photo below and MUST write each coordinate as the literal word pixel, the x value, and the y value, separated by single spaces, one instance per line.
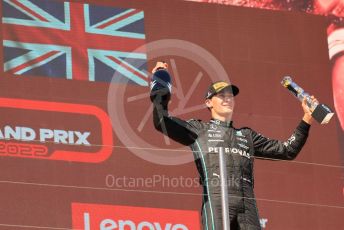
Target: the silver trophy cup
pixel 320 112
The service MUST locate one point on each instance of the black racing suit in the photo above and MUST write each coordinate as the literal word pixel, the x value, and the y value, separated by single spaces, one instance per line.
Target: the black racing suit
pixel 240 145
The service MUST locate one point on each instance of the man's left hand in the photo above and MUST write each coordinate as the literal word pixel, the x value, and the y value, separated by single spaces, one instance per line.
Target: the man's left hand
pixel 307 117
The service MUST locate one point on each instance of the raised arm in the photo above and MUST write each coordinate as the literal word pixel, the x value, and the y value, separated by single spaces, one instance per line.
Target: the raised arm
pixel 275 149
pixel 287 150
pixel 184 132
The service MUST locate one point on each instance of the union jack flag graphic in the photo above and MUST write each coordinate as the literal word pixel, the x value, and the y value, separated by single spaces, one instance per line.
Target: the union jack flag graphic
pixel 72 40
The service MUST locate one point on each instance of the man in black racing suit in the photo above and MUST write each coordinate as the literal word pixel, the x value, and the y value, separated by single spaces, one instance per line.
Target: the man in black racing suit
pixel 240 147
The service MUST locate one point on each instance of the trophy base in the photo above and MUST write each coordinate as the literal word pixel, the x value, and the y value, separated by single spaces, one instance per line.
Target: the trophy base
pixel 322 114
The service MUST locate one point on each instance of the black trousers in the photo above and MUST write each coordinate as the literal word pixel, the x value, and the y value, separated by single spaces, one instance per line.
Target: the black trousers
pixel 243 212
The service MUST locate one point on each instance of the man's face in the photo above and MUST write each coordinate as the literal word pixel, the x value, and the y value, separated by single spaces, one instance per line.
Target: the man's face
pixel 222 103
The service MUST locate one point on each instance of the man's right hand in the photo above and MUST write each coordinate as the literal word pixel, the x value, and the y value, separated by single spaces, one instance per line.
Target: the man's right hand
pixel 160 65
pixel 160 83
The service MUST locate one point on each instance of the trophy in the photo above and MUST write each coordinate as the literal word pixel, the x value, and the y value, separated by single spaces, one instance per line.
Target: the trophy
pixel 320 112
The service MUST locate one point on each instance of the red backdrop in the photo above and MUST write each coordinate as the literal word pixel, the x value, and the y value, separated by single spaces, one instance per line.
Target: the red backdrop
pixel 94 153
